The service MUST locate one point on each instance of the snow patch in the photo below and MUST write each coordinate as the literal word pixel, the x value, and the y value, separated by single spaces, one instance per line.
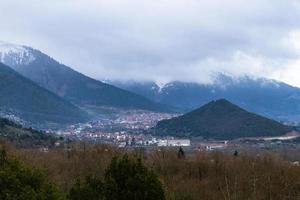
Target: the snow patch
pixel 269 82
pixel 12 54
pixel 161 86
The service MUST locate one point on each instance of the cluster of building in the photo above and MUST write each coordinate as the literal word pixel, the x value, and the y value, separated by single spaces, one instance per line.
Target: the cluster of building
pixel 120 128
pixel 131 121
pixel 124 138
pixel 128 129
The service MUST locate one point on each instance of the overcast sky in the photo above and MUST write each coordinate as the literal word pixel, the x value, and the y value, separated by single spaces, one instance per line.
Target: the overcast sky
pixel 161 40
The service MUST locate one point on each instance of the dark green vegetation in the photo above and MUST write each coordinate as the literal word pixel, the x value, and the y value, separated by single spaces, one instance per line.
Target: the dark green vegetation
pixel 126 178
pixel 24 137
pixel 220 120
pixel 33 103
pixel 20 182
pixel 93 172
pixel 76 87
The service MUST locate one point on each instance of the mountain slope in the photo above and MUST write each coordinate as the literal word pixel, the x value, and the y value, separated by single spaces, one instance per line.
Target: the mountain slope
pixel 32 103
pixel 263 96
pixel 22 137
pixel 69 84
pixel 220 120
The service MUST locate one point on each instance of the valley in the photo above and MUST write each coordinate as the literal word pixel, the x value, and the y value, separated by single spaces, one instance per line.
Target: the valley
pixel 136 129
pixel 142 114
pixel 150 100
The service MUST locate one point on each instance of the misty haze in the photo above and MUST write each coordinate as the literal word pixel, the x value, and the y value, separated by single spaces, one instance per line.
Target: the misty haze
pixel 149 100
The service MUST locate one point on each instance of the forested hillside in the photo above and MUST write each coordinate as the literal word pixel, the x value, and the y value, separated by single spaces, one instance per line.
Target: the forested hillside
pixel 24 137
pixel 33 103
pixel 220 120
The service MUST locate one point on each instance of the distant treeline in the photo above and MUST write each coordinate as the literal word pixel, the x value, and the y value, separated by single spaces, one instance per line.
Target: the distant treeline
pixel 83 172
pixel 25 137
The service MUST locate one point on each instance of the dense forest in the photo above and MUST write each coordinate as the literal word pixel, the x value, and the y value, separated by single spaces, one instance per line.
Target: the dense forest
pixel 83 171
pixel 223 120
pixel 27 100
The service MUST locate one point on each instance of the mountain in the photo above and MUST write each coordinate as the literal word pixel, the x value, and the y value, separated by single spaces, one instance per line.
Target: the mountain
pixel 220 120
pixel 69 84
pixel 25 99
pixel 22 137
pixel 266 97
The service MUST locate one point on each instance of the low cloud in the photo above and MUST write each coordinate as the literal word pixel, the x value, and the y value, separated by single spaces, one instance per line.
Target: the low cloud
pixel 161 40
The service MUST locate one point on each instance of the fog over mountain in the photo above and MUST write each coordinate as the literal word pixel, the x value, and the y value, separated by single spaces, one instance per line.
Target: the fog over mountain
pixel 260 95
pixel 69 84
pixel 264 96
pixel 161 41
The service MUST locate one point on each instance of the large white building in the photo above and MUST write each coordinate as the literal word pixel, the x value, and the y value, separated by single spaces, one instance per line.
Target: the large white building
pixel 174 143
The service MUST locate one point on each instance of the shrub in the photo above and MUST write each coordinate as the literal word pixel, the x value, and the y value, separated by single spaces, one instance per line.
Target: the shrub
pixel 90 189
pixel 18 181
pixel 125 179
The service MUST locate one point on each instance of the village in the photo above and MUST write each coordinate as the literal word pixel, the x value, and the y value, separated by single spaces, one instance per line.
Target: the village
pixel 130 131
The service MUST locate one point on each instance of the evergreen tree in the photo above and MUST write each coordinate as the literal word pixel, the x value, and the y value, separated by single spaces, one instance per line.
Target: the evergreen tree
pixel 127 178
pixel 18 181
pixel 236 153
pixel 181 153
pixel 91 189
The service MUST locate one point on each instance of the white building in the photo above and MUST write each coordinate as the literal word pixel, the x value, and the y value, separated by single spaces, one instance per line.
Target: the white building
pixel 214 147
pixel 162 143
pixel 174 143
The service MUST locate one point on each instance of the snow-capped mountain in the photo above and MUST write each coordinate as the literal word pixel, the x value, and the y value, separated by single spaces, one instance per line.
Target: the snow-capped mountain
pixel 264 96
pixel 260 95
pixel 68 83
pixel 11 54
pixel 23 100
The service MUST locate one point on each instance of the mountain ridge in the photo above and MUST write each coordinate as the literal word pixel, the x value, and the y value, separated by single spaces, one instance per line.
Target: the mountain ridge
pixel 266 97
pixel 220 119
pixel 74 86
pixel 32 103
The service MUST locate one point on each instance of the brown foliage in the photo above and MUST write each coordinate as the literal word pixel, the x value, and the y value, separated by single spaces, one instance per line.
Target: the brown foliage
pixel 203 175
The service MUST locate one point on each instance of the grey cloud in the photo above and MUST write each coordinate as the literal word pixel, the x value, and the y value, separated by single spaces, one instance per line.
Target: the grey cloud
pixel 161 40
